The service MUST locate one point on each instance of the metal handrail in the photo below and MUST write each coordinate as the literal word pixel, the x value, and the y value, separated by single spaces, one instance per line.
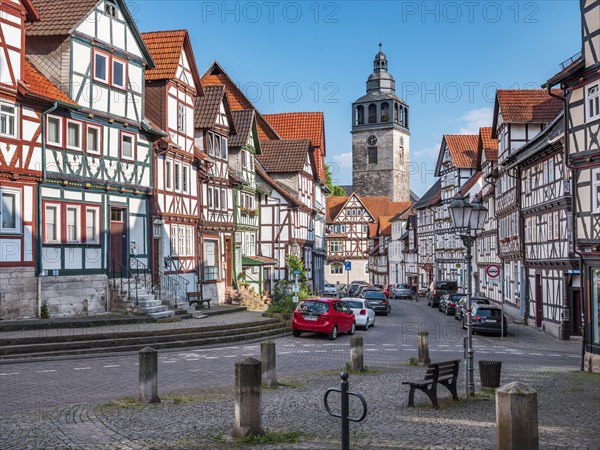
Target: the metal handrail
pixel 119 271
pixel 175 286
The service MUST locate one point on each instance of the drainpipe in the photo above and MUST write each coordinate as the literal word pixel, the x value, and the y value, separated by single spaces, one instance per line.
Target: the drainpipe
pixel 569 165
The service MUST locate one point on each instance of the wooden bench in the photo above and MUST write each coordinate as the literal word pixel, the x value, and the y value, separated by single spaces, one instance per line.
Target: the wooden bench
pixel 196 297
pixel 437 373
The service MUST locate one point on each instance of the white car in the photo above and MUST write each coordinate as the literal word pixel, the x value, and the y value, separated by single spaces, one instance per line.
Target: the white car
pixel 363 313
pixel 330 289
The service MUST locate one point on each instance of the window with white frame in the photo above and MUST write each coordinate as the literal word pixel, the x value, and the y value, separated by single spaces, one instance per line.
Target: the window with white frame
pixel 54 130
pixel 127 146
pixel 52 223
pixel 556 223
pixel 74 131
pixel 8 120
pixel 335 246
pixel 216 197
pixel 596 191
pixel 177 176
pixel 92 140
pixel 168 175
pixel 10 218
pixel 210 197
pixel 189 241
pixel 223 199
pixel 73 224
pixel 592 102
pixel 336 269
pixel 101 66
pixel 211 260
pixel 185 178
pixel 181 117
pixel 223 147
pixel 119 73
pixel 92 225
pixel 182 240
pixel 214 144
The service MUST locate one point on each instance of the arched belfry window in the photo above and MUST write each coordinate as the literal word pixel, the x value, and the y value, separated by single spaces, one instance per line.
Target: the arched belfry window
pixel 372 113
pixel 360 115
pixel 385 112
pixel 396 113
pixel 406 117
pixel 401 116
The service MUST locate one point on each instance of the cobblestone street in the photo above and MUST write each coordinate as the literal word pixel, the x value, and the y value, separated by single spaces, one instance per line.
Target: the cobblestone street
pixel 203 418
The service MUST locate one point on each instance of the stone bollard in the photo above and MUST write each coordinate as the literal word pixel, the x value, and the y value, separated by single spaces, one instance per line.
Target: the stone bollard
pixel 516 417
pixel 148 376
pixel 356 354
pixel 248 414
pixel 268 360
pixel 423 348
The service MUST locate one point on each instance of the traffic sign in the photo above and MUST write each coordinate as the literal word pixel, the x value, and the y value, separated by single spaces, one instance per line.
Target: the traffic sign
pixel 493 270
pixel 296 272
pixel 348 265
pixel 295 288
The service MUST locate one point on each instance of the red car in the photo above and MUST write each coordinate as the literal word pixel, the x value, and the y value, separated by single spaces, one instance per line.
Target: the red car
pixel 388 290
pixel 329 316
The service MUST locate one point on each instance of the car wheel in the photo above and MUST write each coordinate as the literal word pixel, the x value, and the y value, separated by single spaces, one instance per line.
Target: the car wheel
pixel 352 329
pixel 296 333
pixel 333 335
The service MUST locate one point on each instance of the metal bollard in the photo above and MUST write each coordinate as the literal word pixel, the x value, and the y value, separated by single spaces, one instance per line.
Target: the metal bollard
pixel 345 409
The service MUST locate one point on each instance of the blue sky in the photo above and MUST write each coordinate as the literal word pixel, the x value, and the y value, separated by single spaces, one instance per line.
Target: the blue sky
pixel 447 58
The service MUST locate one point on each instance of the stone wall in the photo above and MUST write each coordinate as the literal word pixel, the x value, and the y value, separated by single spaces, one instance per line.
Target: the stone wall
pixel 18 293
pixel 75 295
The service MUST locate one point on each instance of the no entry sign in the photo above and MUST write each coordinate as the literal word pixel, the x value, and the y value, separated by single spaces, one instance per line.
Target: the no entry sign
pixel 493 270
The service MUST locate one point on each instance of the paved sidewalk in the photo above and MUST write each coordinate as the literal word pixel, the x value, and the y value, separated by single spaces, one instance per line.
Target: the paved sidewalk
pixel 207 321
pixel 569 414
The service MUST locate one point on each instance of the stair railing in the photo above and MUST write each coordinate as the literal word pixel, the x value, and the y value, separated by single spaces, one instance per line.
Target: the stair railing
pixel 142 275
pixel 119 272
pixel 172 286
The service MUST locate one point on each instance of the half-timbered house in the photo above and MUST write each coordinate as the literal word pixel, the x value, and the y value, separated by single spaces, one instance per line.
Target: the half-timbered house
pixel 485 252
pixel 580 83
pixel 214 124
pixel 519 115
pixel 310 125
pixel 425 212
pixel 24 94
pixel 455 167
pixel 96 158
pixel 379 246
pixel 172 90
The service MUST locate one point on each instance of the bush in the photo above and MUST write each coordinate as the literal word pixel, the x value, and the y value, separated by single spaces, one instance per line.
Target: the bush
pixel 44 313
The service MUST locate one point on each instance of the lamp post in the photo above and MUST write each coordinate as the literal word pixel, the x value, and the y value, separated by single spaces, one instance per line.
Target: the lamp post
pixel 468 217
pixel 403 263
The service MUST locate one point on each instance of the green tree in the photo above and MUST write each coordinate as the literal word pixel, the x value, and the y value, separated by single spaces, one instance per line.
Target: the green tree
pixel 336 191
pixel 293 263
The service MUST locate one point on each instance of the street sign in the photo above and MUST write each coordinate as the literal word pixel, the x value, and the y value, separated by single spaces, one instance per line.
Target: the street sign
pixel 348 265
pixel 296 272
pixel 295 288
pixel 493 270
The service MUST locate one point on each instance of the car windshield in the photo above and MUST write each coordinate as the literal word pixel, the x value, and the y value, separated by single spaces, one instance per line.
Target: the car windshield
pixel 403 286
pixel 480 301
pixel 456 297
pixel 313 307
pixel 488 312
pixel 355 305
pixel 374 295
pixel 446 285
pixel 329 285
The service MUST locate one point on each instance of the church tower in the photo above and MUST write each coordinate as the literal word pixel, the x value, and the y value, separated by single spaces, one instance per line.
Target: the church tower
pixel 380 138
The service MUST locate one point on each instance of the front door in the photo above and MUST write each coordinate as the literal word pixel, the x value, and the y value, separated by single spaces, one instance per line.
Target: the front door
pixel 538 300
pixel 228 261
pixel 576 312
pixel 118 238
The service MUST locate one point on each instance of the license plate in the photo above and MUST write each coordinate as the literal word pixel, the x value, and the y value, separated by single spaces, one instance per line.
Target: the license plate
pixel 310 318
pixel 491 321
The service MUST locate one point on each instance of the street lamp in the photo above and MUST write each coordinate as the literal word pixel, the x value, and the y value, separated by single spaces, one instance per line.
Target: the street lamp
pixel 402 263
pixel 466 217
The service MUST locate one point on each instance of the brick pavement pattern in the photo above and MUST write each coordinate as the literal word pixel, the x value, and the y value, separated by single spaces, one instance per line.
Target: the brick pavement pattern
pixel 202 418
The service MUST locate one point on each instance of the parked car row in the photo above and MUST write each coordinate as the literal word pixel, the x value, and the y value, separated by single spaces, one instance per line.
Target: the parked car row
pixel 331 316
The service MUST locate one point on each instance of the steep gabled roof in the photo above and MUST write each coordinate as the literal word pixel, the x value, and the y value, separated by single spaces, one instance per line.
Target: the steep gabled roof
pixel 243 119
pixel 376 206
pixel 334 206
pixel 487 146
pixel 526 106
pixel 260 170
pixel 462 149
pixel 300 125
pixel 284 156
pixel 208 107
pixel 464 190
pixel 430 197
pixel 59 17
pixel 216 75
pixel 32 14
pixel 166 48
pixel 36 84
pixel 385 227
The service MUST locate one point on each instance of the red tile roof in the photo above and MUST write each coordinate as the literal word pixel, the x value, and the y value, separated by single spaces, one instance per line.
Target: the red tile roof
pixel 279 188
pixel 216 75
pixel 385 227
pixel 38 85
pixel 166 47
pixel 464 190
pixel 32 14
pixel 463 149
pixel 376 206
pixel 487 146
pixel 59 17
pixel 334 205
pixel 284 156
pixel 528 105
pixel 300 125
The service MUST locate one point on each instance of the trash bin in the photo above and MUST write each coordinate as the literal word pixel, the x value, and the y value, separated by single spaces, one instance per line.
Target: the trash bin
pixel 489 373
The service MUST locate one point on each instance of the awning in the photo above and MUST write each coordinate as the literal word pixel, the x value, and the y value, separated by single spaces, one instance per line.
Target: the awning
pixel 258 261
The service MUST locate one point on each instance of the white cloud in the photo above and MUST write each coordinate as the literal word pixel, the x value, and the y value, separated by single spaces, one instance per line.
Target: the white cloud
pixel 425 153
pixel 343 160
pixel 475 119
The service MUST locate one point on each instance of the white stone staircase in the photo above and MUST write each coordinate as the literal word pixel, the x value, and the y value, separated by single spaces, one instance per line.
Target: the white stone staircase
pixel 148 303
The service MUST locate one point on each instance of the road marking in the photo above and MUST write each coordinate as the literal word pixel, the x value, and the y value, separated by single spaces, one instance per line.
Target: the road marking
pixel 81 368
pixel 444 350
pixel 372 349
pixel 371 345
pixel 229 348
pixel 334 344
pixel 308 345
pixel 192 359
pixel 229 356
pixel 389 345
pixel 405 345
pixel 483 351
pixel 574 356
pixel 553 354
pixel 45 371
pixel 283 353
pixel 117 365
pixel 8 373
pixel 166 362
pixel 535 354
pixel 212 357
pixel 339 350
pixel 391 350
pixel 320 351
pixel 247 354
pixel 443 345
pixel 289 345
pixel 299 351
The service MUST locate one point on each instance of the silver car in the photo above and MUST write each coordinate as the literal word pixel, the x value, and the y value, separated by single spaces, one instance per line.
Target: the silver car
pixel 402 290
pixel 363 312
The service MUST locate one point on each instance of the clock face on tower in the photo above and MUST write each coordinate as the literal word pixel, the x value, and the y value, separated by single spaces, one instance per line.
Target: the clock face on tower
pixel 372 140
